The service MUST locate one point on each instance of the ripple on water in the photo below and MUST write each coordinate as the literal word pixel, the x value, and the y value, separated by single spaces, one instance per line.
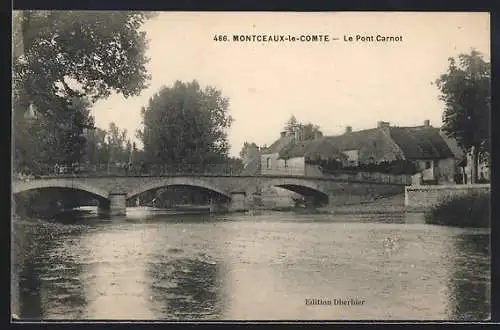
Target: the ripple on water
pixel 190 270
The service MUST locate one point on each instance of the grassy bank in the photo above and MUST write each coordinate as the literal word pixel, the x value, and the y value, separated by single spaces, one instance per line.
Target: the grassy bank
pixel 470 210
pixel 390 204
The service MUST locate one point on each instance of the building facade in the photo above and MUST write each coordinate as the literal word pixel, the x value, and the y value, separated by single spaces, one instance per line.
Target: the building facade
pixel 423 146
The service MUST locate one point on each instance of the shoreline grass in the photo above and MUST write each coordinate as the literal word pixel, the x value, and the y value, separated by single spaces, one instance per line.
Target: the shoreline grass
pixel 468 210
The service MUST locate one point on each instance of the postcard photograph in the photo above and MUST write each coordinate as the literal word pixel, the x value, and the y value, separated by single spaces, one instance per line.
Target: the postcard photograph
pixel 194 166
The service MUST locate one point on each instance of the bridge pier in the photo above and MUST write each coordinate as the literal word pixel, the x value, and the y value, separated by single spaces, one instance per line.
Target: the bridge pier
pixel 238 202
pixel 116 205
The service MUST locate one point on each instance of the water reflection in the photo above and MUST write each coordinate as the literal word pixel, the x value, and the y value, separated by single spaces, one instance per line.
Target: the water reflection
pixel 114 273
pixel 470 282
pixel 49 278
pixel 30 298
pixel 253 267
pixel 186 288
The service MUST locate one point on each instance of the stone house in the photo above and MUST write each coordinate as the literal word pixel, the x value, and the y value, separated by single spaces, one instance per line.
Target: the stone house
pixel 424 146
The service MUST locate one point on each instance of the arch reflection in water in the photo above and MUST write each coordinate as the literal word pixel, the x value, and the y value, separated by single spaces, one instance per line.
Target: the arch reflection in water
pixel 49 277
pixel 114 273
pixel 470 281
pixel 185 269
pixel 186 288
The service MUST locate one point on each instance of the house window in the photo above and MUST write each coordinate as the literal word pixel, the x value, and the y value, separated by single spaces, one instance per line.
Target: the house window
pixel 268 162
pixel 286 163
pixel 428 164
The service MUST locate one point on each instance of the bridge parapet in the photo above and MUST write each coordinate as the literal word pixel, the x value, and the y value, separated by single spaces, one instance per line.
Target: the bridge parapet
pixel 233 187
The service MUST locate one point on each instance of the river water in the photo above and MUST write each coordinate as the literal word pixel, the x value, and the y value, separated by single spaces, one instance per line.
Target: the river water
pixel 238 266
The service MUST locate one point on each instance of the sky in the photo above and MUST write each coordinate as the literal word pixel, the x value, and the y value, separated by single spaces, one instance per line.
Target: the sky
pixel 331 84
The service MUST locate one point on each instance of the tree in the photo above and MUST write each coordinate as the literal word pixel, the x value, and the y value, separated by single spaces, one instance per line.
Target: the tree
pixel 117 143
pixel 63 56
pixel 70 127
pixel 306 131
pixel 97 150
pixel 310 131
pixel 249 150
pixel 54 136
pixel 98 51
pixel 185 125
pixel 466 92
pixel 291 125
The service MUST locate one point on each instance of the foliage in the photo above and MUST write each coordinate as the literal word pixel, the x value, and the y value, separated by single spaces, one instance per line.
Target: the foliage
pixel 234 164
pixel 111 146
pixel 63 61
pixel 51 137
pixel 306 131
pixel 97 151
pixel 310 131
pixel 291 125
pixel 249 150
pixel 185 125
pixel 470 210
pixel 98 51
pixel 396 167
pixel 466 91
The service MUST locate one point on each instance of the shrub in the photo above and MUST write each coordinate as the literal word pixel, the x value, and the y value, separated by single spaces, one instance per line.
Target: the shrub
pixel 469 210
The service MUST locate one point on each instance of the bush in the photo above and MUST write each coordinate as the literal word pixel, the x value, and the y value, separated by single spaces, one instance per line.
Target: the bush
pixel 470 210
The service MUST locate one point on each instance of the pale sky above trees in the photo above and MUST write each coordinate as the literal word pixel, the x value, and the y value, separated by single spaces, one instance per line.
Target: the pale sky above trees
pixel 333 84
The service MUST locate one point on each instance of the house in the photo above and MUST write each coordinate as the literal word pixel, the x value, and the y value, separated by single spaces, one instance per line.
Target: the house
pixel 270 162
pixel 422 146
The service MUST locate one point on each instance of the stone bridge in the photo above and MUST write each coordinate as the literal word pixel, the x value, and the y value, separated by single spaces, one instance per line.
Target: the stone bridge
pixel 113 191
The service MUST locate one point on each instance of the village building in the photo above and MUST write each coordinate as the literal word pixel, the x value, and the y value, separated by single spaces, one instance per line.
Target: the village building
pixel 433 155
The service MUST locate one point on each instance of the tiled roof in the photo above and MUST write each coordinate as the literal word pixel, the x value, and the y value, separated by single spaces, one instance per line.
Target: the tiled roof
pixel 279 144
pixel 420 142
pixel 453 145
pixel 355 140
pixel 318 147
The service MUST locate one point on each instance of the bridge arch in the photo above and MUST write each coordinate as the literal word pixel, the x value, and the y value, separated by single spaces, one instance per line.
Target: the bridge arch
pixel 178 181
pixel 20 187
pixel 300 186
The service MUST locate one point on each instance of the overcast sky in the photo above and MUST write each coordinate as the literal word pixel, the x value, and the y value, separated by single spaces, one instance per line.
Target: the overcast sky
pixel 332 84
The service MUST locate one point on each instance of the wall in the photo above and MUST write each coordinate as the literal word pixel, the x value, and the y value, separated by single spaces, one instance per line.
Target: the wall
pixel 442 169
pixel 446 170
pixel 314 171
pixel 295 166
pixel 423 197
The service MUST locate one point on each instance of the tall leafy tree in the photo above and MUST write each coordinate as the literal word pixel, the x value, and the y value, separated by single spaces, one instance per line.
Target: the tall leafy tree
pixel 186 125
pixel 292 125
pixel 306 131
pixel 249 150
pixel 310 131
pixel 99 52
pixel 97 150
pixel 466 92
pixel 63 56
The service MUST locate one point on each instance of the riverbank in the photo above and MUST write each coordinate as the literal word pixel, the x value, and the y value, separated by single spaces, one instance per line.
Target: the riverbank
pixel 470 210
pixel 392 204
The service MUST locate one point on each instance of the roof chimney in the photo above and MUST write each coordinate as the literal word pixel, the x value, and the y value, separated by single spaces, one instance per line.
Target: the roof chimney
pixel 348 129
pixel 381 124
pixel 283 134
pixel 427 123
